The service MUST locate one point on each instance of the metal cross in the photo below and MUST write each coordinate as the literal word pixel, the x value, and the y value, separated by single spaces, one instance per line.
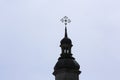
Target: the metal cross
pixel 65 20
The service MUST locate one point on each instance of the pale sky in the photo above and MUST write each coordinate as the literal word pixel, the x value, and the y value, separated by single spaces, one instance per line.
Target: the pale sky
pixel 30 34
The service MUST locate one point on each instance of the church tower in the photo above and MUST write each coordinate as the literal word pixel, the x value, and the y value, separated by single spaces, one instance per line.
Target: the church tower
pixel 66 67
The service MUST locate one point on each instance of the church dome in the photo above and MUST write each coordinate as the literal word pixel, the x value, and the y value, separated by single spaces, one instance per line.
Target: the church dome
pixel 67 64
pixel 66 40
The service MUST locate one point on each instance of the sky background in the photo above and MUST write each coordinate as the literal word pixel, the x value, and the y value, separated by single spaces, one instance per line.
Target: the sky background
pixel 30 34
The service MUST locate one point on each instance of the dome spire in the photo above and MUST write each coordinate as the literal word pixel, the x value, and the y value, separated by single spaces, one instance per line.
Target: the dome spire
pixel 66 32
pixel 66 67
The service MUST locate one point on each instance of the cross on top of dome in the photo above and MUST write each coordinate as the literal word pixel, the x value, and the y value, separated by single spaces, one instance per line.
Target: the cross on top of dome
pixel 65 20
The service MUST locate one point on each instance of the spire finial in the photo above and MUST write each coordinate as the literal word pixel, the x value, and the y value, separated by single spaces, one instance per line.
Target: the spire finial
pixel 65 20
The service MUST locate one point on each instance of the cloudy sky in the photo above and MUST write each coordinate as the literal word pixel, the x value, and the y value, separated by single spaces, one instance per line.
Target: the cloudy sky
pixel 30 34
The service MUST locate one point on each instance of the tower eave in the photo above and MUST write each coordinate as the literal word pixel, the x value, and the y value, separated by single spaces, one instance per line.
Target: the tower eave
pixel 66 70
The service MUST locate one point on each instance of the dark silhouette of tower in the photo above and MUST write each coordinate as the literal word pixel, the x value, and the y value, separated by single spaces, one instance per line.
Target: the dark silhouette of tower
pixel 66 67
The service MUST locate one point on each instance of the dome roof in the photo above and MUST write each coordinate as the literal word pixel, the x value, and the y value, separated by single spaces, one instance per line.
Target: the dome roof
pixel 67 63
pixel 66 40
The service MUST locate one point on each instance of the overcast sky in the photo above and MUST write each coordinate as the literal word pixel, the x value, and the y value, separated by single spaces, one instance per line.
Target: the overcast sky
pixel 30 34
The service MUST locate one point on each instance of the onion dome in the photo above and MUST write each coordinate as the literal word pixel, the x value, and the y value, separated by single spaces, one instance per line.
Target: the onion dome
pixel 66 40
